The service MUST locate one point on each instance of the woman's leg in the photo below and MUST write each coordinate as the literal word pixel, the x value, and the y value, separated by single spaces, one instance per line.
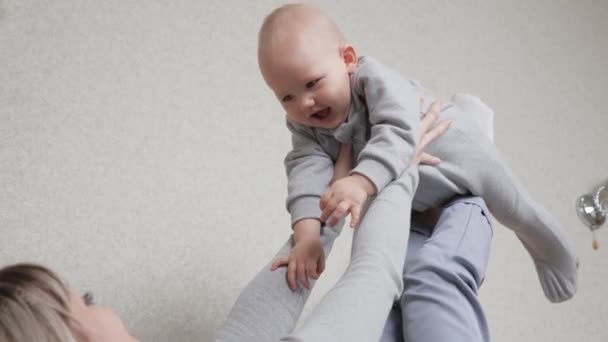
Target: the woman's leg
pixel 440 301
pixel 393 328
pixel 357 306
pixel 267 309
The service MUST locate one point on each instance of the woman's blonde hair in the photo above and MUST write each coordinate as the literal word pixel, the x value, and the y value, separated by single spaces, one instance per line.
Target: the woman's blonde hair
pixel 34 305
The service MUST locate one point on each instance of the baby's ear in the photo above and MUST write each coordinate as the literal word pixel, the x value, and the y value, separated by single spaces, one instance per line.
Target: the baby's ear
pixel 349 55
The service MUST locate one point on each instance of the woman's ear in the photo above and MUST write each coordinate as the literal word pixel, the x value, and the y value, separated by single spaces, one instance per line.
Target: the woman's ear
pixel 349 55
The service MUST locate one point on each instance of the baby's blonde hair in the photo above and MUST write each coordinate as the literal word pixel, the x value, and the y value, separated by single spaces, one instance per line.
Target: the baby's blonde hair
pixel 305 17
pixel 34 305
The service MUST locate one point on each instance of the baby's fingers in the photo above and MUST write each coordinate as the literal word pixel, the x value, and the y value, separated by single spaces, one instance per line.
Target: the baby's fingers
pixel 282 261
pixel 301 271
pixel 339 213
pixel 321 264
pixel 355 215
pixel 311 269
pixel 328 210
pixel 291 275
pixel 324 199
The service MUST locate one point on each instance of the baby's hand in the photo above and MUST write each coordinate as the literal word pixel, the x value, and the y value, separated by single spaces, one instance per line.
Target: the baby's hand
pixel 346 195
pixel 305 260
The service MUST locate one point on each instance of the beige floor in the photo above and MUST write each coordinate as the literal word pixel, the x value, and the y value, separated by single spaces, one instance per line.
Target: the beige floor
pixel 141 155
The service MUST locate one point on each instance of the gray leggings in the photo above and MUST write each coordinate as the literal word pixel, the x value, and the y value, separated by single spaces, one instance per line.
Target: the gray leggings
pixel 442 274
pixel 443 271
pixel 356 308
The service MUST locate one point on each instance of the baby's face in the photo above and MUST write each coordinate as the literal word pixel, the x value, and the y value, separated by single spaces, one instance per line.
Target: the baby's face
pixel 312 85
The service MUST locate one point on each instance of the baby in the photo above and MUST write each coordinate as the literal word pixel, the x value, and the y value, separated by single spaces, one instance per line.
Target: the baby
pixel 332 96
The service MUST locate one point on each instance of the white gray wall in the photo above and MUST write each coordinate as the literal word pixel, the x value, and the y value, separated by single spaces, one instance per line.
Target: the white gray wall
pixel 141 154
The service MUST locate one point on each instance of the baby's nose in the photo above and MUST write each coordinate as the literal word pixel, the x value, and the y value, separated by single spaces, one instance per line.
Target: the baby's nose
pixel 307 103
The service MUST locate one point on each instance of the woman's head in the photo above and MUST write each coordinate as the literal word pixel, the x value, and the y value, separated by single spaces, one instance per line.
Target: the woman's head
pixel 34 305
pixel 37 305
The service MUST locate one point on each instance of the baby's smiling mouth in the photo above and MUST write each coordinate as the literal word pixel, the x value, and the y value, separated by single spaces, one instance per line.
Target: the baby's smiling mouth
pixel 322 114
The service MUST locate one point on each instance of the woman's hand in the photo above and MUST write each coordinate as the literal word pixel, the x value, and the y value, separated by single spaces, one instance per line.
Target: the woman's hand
pixel 428 134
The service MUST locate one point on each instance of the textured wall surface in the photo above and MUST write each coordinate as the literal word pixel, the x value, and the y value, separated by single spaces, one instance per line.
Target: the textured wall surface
pixel 141 154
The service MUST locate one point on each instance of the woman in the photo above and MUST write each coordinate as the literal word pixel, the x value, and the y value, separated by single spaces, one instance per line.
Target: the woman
pixel 36 305
pixel 436 291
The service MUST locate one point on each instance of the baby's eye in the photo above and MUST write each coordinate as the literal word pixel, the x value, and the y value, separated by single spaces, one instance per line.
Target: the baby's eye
pixel 312 83
pixel 287 98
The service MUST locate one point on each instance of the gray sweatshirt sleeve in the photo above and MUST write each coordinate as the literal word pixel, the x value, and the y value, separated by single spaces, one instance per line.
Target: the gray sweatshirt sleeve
pixel 309 170
pixel 394 114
